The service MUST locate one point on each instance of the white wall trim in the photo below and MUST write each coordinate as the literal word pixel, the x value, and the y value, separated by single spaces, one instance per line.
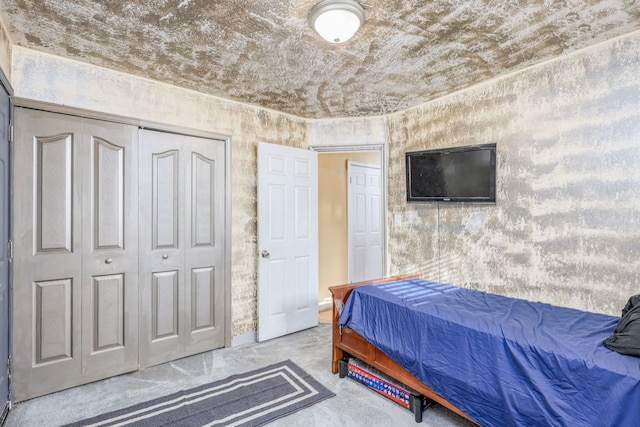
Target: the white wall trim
pixel 324 305
pixel 248 338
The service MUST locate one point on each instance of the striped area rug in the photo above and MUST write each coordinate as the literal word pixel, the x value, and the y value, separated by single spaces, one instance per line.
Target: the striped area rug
pixel 250 399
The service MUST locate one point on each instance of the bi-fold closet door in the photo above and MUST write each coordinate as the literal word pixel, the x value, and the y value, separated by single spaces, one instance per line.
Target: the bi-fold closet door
pixel 119 249
pixel 76 251
pixel 181 246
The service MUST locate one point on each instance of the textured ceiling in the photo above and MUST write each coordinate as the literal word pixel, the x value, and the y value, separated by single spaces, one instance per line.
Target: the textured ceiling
pixel 263 52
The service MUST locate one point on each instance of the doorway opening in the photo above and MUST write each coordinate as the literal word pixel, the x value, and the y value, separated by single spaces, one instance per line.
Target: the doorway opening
pixel 333 214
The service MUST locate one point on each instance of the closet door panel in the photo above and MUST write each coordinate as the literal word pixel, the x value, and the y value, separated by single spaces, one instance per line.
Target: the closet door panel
pixel 48 260
pixel 108 315
pixel 165 307
pixel 202 200
pixel 204 251
pixel 110 249
pixel 161 254
pixel 165 167
pixel 54 198
pixel 202 294
pixel 52 321
pixel 182 232
pixel 108 197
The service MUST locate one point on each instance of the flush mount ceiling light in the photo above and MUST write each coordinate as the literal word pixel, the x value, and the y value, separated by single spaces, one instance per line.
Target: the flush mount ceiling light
pixel 336 20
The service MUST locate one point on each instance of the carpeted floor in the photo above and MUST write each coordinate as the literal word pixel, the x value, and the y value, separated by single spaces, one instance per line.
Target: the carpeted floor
pixel 353 405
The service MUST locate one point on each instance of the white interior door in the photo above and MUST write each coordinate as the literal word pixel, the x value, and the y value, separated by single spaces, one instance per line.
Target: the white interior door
pixel 287 240
pixel 365 222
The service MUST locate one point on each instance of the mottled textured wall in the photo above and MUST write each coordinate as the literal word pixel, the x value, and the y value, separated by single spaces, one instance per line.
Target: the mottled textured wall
pixel 564 230
pixel 5 48
pixel 566 226
pixel 53 79
pixel 347 131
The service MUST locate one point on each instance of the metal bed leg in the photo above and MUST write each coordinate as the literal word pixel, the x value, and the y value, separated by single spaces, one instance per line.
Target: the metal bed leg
pixel 416 403
pixel 343 368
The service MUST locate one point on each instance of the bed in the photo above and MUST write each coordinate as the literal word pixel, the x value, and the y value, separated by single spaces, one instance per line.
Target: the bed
pixel 492 359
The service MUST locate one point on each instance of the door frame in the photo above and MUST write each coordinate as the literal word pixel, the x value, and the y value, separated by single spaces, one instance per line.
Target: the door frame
pixel 175 129
pixel 327 149
pixel 9 89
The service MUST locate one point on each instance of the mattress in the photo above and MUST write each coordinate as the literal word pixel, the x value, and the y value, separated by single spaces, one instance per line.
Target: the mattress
pixel 503 361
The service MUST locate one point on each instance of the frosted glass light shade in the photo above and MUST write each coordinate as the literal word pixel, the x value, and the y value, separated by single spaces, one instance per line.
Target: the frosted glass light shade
pixel 336 20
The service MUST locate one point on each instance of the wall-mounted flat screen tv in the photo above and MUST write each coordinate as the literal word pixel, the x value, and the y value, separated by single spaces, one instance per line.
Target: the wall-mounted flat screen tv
pixel 453 175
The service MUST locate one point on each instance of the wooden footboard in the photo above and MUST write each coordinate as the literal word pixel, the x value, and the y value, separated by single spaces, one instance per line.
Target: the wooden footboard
pixel 348 342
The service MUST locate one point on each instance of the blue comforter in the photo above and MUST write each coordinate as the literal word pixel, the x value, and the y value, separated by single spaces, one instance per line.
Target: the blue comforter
pixel 503 361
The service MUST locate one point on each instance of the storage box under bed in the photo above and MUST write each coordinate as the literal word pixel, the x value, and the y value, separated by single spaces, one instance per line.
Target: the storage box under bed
pixel 385 385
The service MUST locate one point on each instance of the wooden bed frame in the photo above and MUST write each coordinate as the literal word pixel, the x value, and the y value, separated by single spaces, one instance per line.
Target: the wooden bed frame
pixel 347 342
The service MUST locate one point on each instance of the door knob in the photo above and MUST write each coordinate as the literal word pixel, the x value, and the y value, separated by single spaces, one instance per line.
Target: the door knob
pixel 265 254
pixel 108 261
pixel 165 256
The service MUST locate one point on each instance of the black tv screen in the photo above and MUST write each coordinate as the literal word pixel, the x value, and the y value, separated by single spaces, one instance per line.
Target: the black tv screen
pixel 454 175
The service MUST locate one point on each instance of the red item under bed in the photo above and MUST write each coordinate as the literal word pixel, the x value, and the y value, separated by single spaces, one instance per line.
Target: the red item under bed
pixel 375 380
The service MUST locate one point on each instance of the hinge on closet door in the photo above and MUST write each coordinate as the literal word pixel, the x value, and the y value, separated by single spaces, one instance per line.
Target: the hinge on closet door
pixel 10 133
pixel 10 249
pixel 10 378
